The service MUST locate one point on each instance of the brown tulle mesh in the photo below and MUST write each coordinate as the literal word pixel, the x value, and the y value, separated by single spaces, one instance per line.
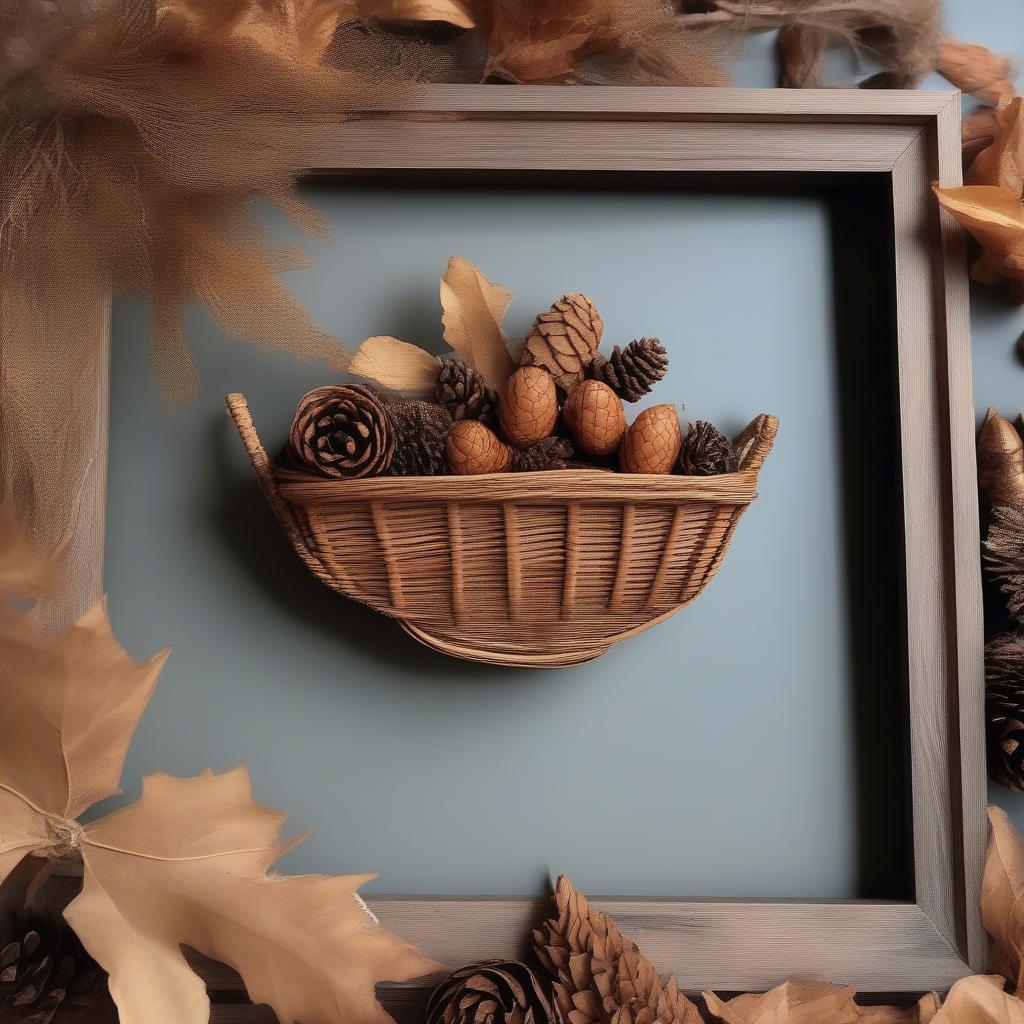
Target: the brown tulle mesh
pixel 131 147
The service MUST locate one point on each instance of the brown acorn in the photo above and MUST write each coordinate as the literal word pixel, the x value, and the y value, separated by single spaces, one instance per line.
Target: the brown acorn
pixel 595 417
pixel 473 449
pixel 528 410
pixel 652 443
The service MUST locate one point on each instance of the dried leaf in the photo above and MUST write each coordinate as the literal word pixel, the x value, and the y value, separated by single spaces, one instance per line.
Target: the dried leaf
pixel 1002 164
pixel 396 365
pixel 809 1002
pixel 976 70
pixel 994 217
pixel 455 12
pixel 1002 894
pixel 185 864
pixel 196 874
pixel 22 573
pixel 977 132
pixel 802 56
pixel 474 310
pixel 980 999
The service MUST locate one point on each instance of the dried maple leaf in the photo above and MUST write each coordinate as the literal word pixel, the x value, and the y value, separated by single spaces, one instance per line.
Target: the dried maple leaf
pixel 991 205
pixel 809 1002
pixel 188 863
pixel 474 310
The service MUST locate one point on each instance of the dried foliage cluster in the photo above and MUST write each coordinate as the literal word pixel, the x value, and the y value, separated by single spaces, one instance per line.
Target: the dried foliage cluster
pixel 1001 477
pixel 585 971
pixel 553 402
pixel 187 864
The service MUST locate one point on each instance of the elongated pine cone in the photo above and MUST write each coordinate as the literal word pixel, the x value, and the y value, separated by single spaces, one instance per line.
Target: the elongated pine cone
pixel 564 339
pixel 491 992
pixel 1004 709
pixel 46 976
pixel 421 433
pixel 599 976
pixel 549 453
pixel 341 431
pixel 706 451
pixel 632 371
pixel 464 392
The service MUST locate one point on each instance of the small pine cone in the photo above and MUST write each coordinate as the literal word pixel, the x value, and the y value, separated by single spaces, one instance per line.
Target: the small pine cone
pixel 463 391
pixel 550 453
pixel 706 451
pixel 564 339
pixel 341 431
pixel 599 976
pixel 1004 709
pixel 632 371
pixel 491 992
pixel 46 976
pixel 421 431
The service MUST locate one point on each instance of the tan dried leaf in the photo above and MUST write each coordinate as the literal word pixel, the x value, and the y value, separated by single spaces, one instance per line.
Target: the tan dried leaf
pixel 976 70
pixel 474 310
pixel 994 217
pixel 980 999
pixel 460 13
pixel 808 1002
pixel 1002 897
pixel 802 55
pixel 298 29
pixel 977 132
pixel 186 864
pixel 1002 164
pixel 396 365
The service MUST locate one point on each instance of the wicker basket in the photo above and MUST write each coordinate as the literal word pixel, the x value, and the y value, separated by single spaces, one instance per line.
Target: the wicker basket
pixel 524 569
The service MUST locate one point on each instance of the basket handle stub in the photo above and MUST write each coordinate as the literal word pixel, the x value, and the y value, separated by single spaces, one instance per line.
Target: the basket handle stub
pixel 754 443
pixel 238 408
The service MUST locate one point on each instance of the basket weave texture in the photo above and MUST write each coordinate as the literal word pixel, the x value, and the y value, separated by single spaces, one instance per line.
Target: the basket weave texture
pixel 526 569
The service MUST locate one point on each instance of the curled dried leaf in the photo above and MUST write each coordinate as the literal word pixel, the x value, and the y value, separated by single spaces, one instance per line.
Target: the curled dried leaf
pixel 474 311
pixel 976 70
pixel 396 365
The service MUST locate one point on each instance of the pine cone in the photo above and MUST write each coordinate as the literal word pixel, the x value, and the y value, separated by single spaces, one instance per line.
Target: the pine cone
pixel 1004 556
pixel 421 430
pixel 549 453
pixel 632 371
pixel 341 431
pixel 1004 709
pixel 46 976
pixel 564 339
pixel 706 451
pixel 491 992
pixel 464 392
pixel 600 976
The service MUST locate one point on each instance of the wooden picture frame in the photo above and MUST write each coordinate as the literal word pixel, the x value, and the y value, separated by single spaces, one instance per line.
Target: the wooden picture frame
pixel 911 140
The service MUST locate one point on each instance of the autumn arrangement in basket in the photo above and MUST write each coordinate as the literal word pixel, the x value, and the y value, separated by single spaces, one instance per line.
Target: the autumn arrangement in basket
pixel 499 502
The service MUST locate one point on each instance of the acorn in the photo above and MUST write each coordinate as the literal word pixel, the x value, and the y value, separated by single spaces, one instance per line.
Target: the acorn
pixel 595 417
pixel 652 443
pixel 473 449
pixel 528 410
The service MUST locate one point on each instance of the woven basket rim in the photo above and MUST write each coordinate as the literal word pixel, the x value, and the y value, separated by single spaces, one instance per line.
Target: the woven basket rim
pixel 563 485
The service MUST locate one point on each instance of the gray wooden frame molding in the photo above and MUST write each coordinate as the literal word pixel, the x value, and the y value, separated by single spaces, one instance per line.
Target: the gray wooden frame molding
pixel 914 139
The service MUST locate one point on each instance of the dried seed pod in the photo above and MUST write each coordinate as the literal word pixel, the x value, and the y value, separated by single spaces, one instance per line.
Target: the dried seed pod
pixel 706 451
pixel 1001 461
pixel 652 443
pixel 564 339
pixel 548 453
pixel 474 449
pixel 595 417
pixel 528 410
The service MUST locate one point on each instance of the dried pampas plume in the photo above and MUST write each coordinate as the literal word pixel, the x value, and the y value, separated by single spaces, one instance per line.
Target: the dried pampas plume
pixel 902 35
